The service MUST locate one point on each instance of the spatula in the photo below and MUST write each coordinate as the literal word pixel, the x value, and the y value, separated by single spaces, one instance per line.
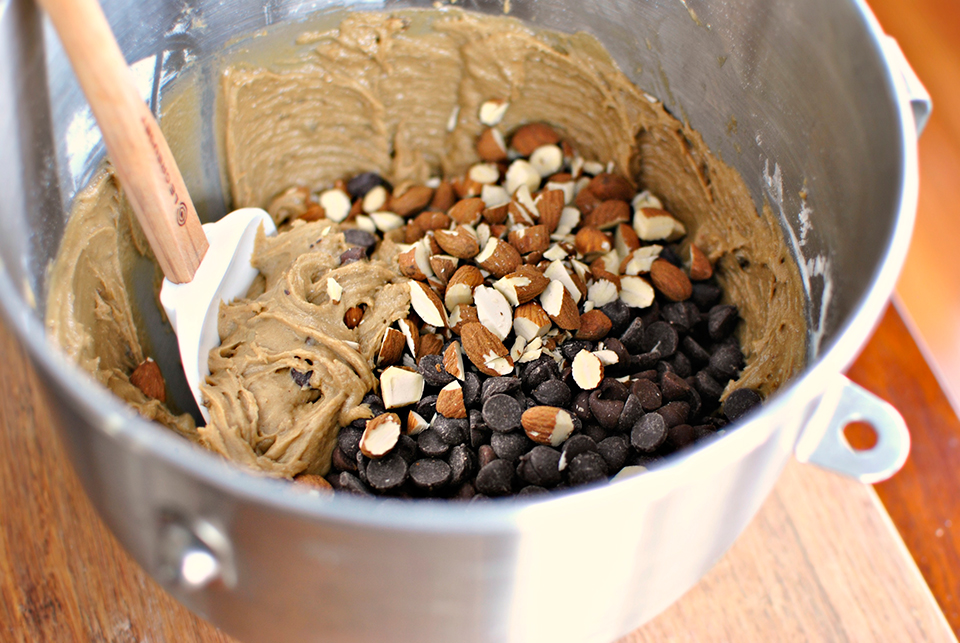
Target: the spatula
pixel 202 265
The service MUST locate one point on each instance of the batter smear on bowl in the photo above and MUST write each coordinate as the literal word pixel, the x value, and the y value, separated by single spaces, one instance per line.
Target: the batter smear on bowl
pixel 500 267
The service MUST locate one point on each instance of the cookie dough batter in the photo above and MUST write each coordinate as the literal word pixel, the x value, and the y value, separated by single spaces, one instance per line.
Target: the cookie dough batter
pixel 377 94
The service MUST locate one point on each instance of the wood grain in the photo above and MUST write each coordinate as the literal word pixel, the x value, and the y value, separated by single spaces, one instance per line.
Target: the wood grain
pixel 924 498
pixel 929 34
pixel 820 562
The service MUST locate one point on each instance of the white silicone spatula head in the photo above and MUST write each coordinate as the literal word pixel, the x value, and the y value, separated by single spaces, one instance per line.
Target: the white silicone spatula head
pixel 202 264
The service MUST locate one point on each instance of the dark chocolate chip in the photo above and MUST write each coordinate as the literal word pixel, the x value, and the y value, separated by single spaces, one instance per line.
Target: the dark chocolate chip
pixel 614 451
pixel 362 462
pixel 510 446
pixel 471 390
pixel 495 479
pixel 427 406
pixel 619 314
pixel 648 361
pixel 725 363
pixel 540 466
pixel 586 467
pixel 673 387
pixel 594 431
pixel 581 406
pixel 372 399
pixel 497 385
pixel 388 472
pixel 485 455
pixel 570 348
pixel 705 296
pixel 740 402
pixel 632 412
pixel 451 430
pixel 709 388
pixel 475 417
pixel 696 404
pixel 431 368
pixel 341 462
pixel 350 255
pixel 349 482
pixel 406 447
pixel 681 365
pixel 680 436
pixel 430 474
pixel 684 315
pixel 531 490
pixel 704 431
pixel 479 436
pixel 674 413
pixel 660 337
pixel 697 353
pixel 538 372
pixel 301 379
pixel 502 413
pixel 613 389
pixel 463 463
pixel 349 440
pixel 721 321
pixel 632 337
pixel 362 238
pixel 431 444
pixel 359 185
pixel 670 255
pixel 649 433
pixel 553 393
pixel 648 392
pixel 574 446
pixel 606 412
pixel 651 313
pixel 623 355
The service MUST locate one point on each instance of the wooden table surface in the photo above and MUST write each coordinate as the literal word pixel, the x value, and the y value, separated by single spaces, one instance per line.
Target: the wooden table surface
pixel 822 561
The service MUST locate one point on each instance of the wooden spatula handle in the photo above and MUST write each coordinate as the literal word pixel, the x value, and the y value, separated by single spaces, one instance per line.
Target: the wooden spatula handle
pixel 137 149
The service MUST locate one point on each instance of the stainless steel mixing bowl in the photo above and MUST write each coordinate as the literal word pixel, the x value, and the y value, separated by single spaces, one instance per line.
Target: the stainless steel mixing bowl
pixel 823 103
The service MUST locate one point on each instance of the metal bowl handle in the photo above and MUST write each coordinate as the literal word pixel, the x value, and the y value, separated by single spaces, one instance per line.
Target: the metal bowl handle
pixel 908 83
pixel 823 443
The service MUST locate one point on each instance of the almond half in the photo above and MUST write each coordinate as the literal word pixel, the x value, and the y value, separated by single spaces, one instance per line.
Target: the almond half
pixel 530 321
pixel 485 351
pixel 453 361
pixel 547 425
pixel 587 370
pixel 391 348
pixel 148 378
pixel 498 258
pixel 559 305
pixel 380 435
pixel 427 304
pixel 450 401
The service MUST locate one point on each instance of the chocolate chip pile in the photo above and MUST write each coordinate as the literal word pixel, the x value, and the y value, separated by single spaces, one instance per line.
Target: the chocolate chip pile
pixel 594 335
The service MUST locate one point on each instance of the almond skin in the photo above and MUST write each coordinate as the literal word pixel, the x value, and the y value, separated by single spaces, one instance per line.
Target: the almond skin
pixel 430 344
pixel 443 197
pixel 608 214
pixel 467 211
pixel 353 317
pixel 432 220
pixel 391 347
pixel 148 378
pixel 548 425
pixel 412 201
pixel 586 201
pixel 700 268
pixel 458 243
pixel 550 206
pixel 533 135
pixel 606 186
pixel 450 402
pixel 498 258
pixel 590 242
pixel 490 147
pixel 594 325
pixel 481 346
pixel 672 282
pixel 535 238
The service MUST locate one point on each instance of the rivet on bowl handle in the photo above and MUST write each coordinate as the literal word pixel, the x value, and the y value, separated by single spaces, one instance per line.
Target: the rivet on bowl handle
pixel 911 86
pixel 823 443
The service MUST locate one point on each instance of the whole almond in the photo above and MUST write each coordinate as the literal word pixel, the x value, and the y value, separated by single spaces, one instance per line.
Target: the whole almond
pixel 148 378
pixel 594 325
pixel 485 350
pixel 443 197
pixel 415 199
pixel 491 147
pixel 432 220
pixel 459 242
pixel 611 186
pixel 353 317
pixel 531 136
pixel 608 214
pixel 672 282
pixel 467 211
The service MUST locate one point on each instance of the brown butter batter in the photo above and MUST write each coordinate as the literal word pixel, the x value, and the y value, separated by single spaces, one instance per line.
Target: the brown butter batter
pixel 376 94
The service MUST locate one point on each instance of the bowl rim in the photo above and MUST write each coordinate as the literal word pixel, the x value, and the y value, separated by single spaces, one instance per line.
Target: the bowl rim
pixel 106 413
